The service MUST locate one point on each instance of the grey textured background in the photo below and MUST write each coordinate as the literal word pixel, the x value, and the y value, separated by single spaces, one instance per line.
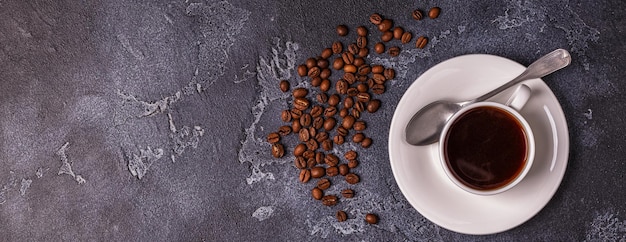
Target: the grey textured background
pixel 146 120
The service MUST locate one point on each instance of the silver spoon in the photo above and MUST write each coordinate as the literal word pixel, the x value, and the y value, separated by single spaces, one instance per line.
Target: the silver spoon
pixel 426 125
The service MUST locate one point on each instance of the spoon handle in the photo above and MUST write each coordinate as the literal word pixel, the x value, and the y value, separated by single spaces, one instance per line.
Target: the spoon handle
pixel 543 66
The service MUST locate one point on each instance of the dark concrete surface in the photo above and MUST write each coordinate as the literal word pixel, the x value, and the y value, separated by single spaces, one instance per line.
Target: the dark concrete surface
pixel 146 120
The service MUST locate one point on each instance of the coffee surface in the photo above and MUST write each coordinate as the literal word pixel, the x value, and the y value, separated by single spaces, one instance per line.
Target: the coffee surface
pixel 485 148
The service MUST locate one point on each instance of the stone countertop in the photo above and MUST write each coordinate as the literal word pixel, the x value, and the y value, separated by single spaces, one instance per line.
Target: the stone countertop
pixel 141 120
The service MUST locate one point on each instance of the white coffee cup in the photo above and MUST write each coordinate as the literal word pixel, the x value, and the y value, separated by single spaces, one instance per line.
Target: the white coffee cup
pixel 487 147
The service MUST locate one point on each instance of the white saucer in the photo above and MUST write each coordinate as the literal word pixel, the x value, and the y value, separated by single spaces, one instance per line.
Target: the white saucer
pixel 420 176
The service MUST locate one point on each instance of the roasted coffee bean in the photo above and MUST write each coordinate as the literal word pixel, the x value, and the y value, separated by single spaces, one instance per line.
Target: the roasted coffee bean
pixel 351 155
pixel 342 30
pixel 319 158
pixel 371 218
pixel 361 31
pixel 358 137
pixel 361 87
pixel 338 63
pixel 318 171
pixel 433 13
pixel 351 93
pixel 389 73
pixel 347 58
pixel 317 111
pixel 314 71
pixel 305 120
pixel 299 150
pixel 278 150
pixel 284 86
pixel 285 116
pixel 349 68
pixel 296 113
pixel 347 193
pixel 364 70
pixel 359 106
pixel 330 111
pixel 302 70
pixel 376 19
pixel 353 163
pixel 349 78
pixel 341 216
pixel 352 178
pixel 348 101
pixel 379 78
pixel 327 145
pixel 273 138
pixel 318 122
pixel 329 123
pixel 363 97
pixel 386 36
pixel 305 175
pixel 325 85
pixel 353 48
pixel 303 135
pixel 342 131
pixel 348 122
pixel 312 132
pixel 332 171
pixel 358 62
pixel 322 97
pixel 361 42
pixel 379 48
pixel 317 193
pixel 378 89
pixel 344 169
pixel 321 136
pixel 284 130
pixel 421 42
pixel 398 32
pixel 325 74
pixel 385 25
pixel 301 103
pixel 378 69
pixel 406 37
pixel 363 52
pixel 323 183
pixel 300 92
pixel 310 162
pixel 316 81
pixel 299 162
pixel 341 87
pixel 323 64
pixel 312 144
pixel 393 51
pixel 355 113
pixel 366 142
pixel 333 100
pixel 308 154
pixel 417 14
pixel 337 47
pixel 338 139
pixel 327 52
pixel 344 112
pixel 295 125
pixel 310 62
pixel 330 200
pixel 331 160
pixel 373 105
pixel 360 125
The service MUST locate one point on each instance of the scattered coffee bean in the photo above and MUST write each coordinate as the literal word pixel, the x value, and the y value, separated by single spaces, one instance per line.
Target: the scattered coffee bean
pixel 363 97
pixel 318 122
pixel 378 89
pixel 284 130
pixel 338 63
pixel 323 183
pixel 434 12
pixel 363 52
pixel 378 69
pixel 285 116
pixel 331 160
pixel 317 172
pixel 362 87
pixel 417 14
pixel 349 68
pixel 386 36
pixel 302 70
pixel 284 85
pixel 361 31
pixel 360 125
pixel 406 37
pixel 314 72
pixel 295 125
pixel 304 135
pixel 348 102
pixel 341 216
pixel 361 42
pixel 364 70
pixel 319 158
pixel 341 131
pixel 347 193
pixel 394 51
pixel 278 150
pixel 327 52
pixel 353 163
pixel 325 85
pixel 317 193
pixel 352 178
pixel 389 73
pixel 322 98
pixel 421 42
pixel 351 155
pixel 305 175
pixel 342 30
pixel 325 74
pixel 344 169
pixel 397 32
pixel 356 113
pixel 313 145
pixel 338 139
pixel 341 86
pixel 337 47
pixel 353 49
pixel 332 171
pixel 321 136
pixel 376 19
pixel 301 103
pixel 310 163
pixel 347 58
pixel 329 123
pixel 333 100
pixel 305 120
pixel 358 137
pixel 299 150
pixel 343 112
pixel 310 62
pixel 323 64
pixel 296 113
pixel 327 145
pixel 366 142
pixel 371 218
pixel 273 138
pixel 347 122
pixel 385 25
pixel 316 81
pixel 330 200
pixel 317 111
pixel 300 162
pixel 308 154
pixel 379 48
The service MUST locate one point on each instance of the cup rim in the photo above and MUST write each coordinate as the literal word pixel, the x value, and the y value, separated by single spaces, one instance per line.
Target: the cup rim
pixel 530 139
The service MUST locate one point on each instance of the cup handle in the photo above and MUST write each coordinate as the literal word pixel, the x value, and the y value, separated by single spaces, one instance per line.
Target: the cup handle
pixel 519 97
